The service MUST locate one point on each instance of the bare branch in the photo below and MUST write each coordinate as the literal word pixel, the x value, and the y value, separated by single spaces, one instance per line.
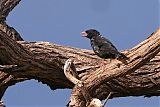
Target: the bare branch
pixel 71 73
pixel 6 6
pixel 138 57
pixel 44 61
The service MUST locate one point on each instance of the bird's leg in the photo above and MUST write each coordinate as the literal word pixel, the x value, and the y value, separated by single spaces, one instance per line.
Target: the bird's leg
pixel 104 62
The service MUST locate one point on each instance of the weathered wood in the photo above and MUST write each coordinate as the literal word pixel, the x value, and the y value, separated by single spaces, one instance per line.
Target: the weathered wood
pixel 139 56
pixel 15 54
pixel 44 61
pixel 71 73
pixel 6 6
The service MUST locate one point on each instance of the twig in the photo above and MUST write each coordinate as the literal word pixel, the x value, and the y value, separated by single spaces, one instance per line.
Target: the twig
pixel 105 101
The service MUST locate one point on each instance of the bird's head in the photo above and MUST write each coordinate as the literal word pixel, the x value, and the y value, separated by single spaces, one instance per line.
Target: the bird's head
pixel 90 33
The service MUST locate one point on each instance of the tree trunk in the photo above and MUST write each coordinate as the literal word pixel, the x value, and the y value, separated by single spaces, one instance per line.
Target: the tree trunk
pixel 44 61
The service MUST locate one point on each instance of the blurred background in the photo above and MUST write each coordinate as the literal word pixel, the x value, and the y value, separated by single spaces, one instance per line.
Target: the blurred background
pixel 124 22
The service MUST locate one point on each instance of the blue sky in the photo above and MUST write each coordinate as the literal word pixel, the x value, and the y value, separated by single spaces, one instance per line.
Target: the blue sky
pixel 124 22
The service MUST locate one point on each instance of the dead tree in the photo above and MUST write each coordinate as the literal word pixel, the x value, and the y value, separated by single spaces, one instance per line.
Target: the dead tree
pixel 44 61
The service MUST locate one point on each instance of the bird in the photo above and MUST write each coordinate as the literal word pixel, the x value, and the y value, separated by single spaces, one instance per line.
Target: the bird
pixel 102 46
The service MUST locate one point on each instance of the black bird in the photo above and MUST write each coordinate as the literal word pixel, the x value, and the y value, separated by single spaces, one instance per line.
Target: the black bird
pixel 102 46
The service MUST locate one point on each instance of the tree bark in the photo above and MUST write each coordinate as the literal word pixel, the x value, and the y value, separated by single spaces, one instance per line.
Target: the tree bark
pixel 44 61
pixel 133 79
pixel 5 7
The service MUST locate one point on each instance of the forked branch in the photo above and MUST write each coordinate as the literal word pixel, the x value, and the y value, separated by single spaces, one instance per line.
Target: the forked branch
pixel 139 56
pixel 43 61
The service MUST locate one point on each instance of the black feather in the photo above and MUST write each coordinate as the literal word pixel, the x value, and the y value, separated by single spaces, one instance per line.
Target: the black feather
pixel 102 46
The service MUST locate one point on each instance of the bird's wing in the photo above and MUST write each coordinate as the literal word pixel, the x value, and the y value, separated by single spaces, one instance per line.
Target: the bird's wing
pixel 102 45
pixel 95 46
pixel 108 44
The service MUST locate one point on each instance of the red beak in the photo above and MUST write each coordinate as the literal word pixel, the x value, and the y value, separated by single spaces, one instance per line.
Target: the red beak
pixel 84 34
